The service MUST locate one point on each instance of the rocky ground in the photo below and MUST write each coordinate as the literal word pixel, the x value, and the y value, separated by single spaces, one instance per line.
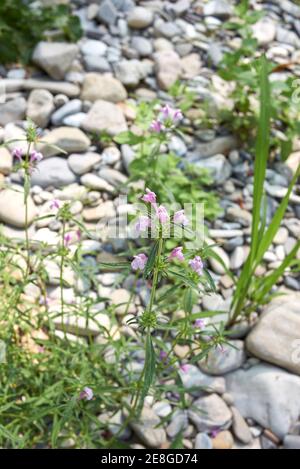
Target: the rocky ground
pixel 133 51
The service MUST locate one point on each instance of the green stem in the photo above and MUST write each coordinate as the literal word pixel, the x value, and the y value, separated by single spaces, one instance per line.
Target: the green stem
pixel 156 272
pixel 61 273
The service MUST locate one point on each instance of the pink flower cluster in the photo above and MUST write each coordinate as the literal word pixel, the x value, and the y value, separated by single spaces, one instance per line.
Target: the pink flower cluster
pixel 167 118
pixel 144 222
pixel 34 157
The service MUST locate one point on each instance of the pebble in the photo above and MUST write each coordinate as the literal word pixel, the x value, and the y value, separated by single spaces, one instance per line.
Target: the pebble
pixel 140 18
pixel 54 172
pixel 12 207
pixel 210 412
pixel 96 86
pixel 223 440
pixel 92 181
pixel 83 163
pixel 68 139
pixel 105 117
pixel 40 106
pixel 55 58
pixel 231 357
pixel 71 107
pixel 240 427
pixel 147 430
pixel 202 441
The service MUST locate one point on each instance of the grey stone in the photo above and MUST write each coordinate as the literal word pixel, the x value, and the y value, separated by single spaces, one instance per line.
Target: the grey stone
pixel 12 207
pixel 218 166
pixel 55 58
pixel 210 412
pixel 276 339
pixel 291 442
pixel 140 18
pixel 131 72
pixel 268 395
pixel 178 422
pixel 219 8
pixel 93 47
pixel 219 362
pixel 83 163
pixel 287 37
pixel 74 120
pixel 6 161
pixel 53 172
pixel 142 45
pixel 68 89
pixel 71 107
pixel 240 427
pixel 40 107
pixel 95 182
pixel 221 145
pixel 202 441
pixel 12 111
pixel 168 68
pixel 68 139
pixel 192 377
pixel 146 429
pixel 108 88
pixel 96 64
pixel 107 12
pixel 105 116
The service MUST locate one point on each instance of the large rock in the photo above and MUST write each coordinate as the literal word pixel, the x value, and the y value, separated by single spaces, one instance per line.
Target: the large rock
pixel 168 68
pixel 276 338
pixel 40 107
pixel 12 207
pixel 12 111
pixel 106 87
pixel 53 172
pixel 210 412
pixel 55 58
pixel 268 395
pixel 68 139
pixel 31 84
pixel 193 379
pixel 105 117
pixel 219 362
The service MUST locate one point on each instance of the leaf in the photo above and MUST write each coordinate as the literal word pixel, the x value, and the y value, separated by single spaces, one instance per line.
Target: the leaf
pixel 151 260
pixel 177 443
pixel 188 300
pixel 129 138
pixel 149 370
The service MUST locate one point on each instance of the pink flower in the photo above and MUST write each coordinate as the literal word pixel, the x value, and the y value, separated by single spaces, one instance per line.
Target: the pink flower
pixel 55 204
pixel 142 224
pixel 78 234
pixel 149 197
pixel 67 239
pixel 87 394
pixel 170 114
pixel 177 254
pixel 18 153
pixel 156 126
pixel 163 355
pixel 162 214
pixel 197 265
pixel 199 323
pixel 35 157
pixel 180 218
pixel 185 368
pixel 139 262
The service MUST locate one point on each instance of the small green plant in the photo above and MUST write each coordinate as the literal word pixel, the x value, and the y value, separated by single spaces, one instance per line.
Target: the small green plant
pixel 239 68
pixel 251 292
pixel 24 23
pixel 53 386
pixel 170 176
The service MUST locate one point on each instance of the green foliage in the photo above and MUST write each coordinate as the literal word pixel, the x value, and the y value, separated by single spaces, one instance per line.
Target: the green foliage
pixel 23 24
pixel 249 293
pixel 241 68
pixel 170 176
